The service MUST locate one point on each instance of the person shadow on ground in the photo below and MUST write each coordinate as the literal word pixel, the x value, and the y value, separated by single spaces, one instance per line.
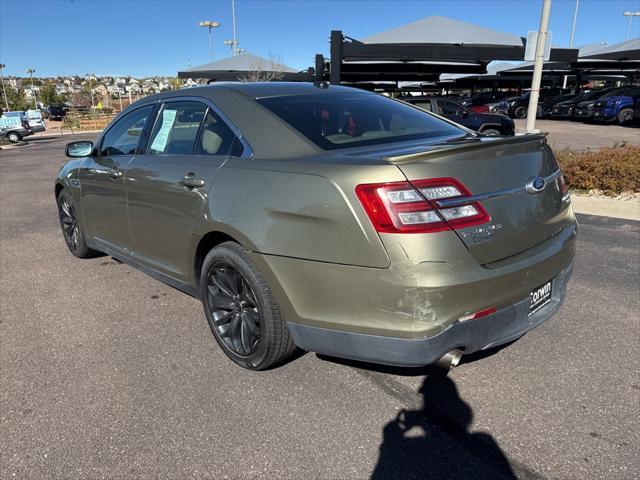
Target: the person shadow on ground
pixel 433 441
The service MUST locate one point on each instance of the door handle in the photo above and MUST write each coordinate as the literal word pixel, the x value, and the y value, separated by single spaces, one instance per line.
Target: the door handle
pixel 190 181
pixel 115 173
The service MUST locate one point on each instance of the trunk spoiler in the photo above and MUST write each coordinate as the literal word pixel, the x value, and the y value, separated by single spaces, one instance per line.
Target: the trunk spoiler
pixel 460 145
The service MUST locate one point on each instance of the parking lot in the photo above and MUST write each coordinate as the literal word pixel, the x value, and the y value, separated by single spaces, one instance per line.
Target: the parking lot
pixel 107 373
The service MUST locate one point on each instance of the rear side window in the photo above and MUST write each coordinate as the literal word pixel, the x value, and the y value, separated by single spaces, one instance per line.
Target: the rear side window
pixel 345 119
pixel 176 128
pixel 448 108
pixel 123 137
pixel 217 138
pixel 423 105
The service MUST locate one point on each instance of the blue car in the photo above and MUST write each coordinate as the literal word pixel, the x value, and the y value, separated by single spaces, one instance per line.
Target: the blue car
pixel 616 108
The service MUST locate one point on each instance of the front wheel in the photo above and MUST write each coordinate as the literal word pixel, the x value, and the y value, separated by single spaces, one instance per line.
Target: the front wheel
pixel 243 316
pixel 14 137
pixel 625 116
pixel 492 132
pixel 71 228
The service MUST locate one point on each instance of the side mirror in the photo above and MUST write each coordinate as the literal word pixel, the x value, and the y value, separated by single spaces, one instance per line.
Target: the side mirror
pixel 79 149
pixel 465 113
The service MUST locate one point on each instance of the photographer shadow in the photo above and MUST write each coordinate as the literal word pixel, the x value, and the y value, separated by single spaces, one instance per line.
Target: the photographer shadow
pixel 434 441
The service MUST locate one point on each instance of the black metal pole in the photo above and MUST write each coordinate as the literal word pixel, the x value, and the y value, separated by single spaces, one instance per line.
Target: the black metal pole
pixel 319 68
pixel 336 56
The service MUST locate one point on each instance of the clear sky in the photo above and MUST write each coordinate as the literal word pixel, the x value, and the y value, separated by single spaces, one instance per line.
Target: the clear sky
pixel 147 37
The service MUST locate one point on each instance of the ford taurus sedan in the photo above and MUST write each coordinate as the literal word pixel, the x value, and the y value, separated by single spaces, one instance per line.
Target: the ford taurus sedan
pixel 326 218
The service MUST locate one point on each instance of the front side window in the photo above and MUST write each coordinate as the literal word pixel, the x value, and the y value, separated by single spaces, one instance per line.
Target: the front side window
pixel 123 137
pixel 341 119
pixel 176 128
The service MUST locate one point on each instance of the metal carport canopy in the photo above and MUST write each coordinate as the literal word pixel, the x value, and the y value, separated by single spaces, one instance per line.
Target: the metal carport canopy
pixel 432 39
pixel 237 67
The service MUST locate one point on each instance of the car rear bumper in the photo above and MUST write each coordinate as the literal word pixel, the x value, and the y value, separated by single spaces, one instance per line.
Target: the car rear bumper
pixel 506 325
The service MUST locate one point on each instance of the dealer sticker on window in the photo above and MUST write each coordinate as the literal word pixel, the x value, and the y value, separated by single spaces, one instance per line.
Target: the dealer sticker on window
pixel 540 297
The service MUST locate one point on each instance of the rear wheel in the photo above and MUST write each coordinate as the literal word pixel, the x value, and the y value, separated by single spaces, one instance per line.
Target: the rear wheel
pixel 71 228
pixel 625 116
pixel 14 137
pixel 242 314
pixel 520 112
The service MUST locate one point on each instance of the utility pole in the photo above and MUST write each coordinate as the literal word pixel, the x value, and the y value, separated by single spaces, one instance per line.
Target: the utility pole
pixel 31 71
pixel 4 91
pixel 573 32
pixel 537 67
pixel 120 98
pixel 93 106
pixel 233 44
pixel 233 13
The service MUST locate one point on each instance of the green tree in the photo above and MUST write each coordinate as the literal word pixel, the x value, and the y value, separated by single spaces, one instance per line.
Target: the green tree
pixel 48 95
pixel 16 99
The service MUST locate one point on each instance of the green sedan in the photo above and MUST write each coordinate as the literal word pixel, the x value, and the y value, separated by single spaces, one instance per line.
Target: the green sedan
pixel 328 219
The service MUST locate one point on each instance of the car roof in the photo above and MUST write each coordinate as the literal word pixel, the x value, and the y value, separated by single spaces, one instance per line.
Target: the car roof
pixel 257 90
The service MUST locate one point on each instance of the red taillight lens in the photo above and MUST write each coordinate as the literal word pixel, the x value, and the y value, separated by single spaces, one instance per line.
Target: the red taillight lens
pixel 562 184
pixel 407 207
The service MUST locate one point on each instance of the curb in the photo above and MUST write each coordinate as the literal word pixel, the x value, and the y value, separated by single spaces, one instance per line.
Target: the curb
pixel 606 207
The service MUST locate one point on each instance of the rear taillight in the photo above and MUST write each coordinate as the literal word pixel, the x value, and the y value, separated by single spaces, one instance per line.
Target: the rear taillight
pixel 408 207
pixel 562 184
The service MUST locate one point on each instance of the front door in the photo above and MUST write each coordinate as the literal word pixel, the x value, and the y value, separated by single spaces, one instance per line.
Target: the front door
pixel 168 186
pixel 102 180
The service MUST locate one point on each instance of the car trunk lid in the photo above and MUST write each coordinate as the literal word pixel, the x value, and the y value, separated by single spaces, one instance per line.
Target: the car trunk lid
pixel 516 180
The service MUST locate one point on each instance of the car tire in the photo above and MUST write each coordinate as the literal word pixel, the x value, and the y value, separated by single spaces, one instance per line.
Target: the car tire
pixel 492 132
pixel 14 137
pixel 72 230
pixel 625 116
pixel 520 112
pixel 243 316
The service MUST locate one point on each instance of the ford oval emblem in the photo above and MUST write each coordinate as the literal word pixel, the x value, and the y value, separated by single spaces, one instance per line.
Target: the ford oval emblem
pixel 536 185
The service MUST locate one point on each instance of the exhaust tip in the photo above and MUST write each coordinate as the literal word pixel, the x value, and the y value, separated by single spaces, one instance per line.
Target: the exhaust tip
pixel 450 360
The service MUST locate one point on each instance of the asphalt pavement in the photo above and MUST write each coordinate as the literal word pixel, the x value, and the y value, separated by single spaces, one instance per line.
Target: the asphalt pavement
pixel 107 373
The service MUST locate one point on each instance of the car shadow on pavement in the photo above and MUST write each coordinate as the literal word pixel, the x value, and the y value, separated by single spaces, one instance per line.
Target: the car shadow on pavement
pixel 434 441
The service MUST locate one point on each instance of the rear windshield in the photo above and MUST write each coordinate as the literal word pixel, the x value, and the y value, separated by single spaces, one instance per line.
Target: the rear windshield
pixel 341 120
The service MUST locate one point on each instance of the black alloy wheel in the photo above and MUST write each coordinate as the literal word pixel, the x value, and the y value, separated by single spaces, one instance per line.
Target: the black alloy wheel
pixel 69 224
pixel 625 116
pixel 234 309
pixel 243 314
pixel 72 230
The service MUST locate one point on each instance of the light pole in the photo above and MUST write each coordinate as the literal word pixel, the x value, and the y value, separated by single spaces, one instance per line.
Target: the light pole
pixel 4 91
pixel 209 25
pixel 233 43
pixel 573 32
pixel 93 106
pixel 537 67
pixel 31 71
pixel 630 15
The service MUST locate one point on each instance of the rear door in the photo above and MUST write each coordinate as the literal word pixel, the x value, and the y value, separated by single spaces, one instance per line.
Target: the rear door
pixel 167 187
pixel 521 217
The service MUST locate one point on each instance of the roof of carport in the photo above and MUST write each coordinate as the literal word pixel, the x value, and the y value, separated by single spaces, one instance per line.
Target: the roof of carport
pixel 438 29
pixel 448 45
pixel 237 67
pixel 628 50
